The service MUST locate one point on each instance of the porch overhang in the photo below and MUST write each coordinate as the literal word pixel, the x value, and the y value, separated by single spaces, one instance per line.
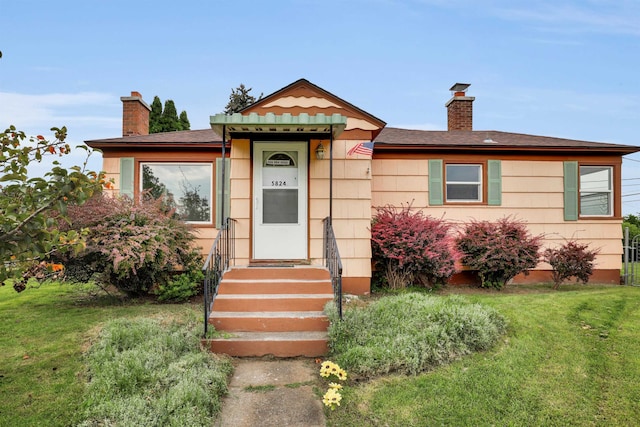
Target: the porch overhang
pixel 320 124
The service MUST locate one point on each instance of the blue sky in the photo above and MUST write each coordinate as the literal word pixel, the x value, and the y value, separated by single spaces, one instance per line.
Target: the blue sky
pixel 559 68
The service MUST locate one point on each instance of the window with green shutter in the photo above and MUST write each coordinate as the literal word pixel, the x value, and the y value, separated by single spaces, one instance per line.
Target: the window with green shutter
pixel 494 182
pixel 127 165
pixel 570 191
pixel 436 193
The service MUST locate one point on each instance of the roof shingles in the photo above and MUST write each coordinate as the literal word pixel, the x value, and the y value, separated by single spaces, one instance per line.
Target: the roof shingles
pixel 411 138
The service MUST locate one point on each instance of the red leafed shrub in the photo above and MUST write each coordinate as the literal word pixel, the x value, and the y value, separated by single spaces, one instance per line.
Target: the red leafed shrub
pixel 572 259
pixel 408 245
pixel 498 250
pixel 133 246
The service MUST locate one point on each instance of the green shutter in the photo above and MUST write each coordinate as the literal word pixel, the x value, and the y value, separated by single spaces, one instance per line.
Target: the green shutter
pixel 435 183
pixel 227 188
pixel 570 191
pixel 494 182
pixel 127 165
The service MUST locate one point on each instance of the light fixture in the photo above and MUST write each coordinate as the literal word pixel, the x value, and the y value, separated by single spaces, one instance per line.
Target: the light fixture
pixel 320 152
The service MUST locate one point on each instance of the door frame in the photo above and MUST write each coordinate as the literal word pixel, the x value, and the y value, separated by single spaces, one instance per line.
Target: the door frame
pixel 260 232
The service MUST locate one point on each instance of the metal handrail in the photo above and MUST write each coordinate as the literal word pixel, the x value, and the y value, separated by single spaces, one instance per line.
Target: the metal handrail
pixel 220 258
pixel 333 263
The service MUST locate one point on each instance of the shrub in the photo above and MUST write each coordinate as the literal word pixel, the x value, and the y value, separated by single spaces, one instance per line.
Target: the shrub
pixel 498 250
pixel 410 333
pixel 134 247
pixel 407 245
pixel 145 373
pixel 570 260
pixel 182 287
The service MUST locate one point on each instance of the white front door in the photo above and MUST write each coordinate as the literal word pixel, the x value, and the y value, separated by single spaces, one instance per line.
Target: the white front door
pixel 280 200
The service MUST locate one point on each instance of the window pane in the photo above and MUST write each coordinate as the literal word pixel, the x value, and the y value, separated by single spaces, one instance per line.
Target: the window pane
pixel 280 206
pixel 464 183
pixel 595 204
pixel 463 173
pixel 595 178
pixel 595 190
pixel 460 192
pixel 186 187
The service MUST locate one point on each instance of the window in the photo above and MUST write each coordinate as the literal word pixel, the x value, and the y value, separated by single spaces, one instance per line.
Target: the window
pixel 186 186
pixel 463 183
pixel 480 182
pixel 596 195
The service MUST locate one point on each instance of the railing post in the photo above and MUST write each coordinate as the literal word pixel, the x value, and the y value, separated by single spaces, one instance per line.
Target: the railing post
pixel 217 262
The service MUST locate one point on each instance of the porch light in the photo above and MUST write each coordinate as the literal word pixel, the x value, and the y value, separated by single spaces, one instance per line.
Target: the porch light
pixel 320 152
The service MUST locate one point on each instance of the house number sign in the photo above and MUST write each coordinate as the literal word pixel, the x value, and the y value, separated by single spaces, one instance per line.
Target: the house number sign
pixel 279 170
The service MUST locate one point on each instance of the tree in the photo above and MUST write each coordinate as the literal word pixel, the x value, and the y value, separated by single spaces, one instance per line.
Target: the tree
pixel 184 121
pixel 633 222
pixel 166 120
pixel 240 99
pixel 154 116
pixel 30 208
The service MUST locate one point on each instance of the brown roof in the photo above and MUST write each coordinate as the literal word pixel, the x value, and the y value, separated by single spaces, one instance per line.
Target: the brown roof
pixel 185 138
pixel 391 138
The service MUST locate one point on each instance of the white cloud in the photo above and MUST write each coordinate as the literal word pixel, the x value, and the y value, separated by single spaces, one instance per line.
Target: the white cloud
pixel 87 115
pixel 619 17
pixel 32 112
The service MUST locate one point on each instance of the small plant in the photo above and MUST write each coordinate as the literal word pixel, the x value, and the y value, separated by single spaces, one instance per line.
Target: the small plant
pixel 330 370
pixel 183 287
pixel 498 250
pixel 408 245
pixel 572 259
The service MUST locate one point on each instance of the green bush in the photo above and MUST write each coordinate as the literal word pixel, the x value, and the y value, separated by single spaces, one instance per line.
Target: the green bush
pixel 133 246
pixel 410 333
pixel 182 287
pixel 143 373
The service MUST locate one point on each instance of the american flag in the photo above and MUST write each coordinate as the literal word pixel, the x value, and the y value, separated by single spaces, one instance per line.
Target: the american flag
pixel 365 148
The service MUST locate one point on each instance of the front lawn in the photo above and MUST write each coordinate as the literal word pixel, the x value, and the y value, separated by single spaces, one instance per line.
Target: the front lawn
pixel 44 333
pixel 569 358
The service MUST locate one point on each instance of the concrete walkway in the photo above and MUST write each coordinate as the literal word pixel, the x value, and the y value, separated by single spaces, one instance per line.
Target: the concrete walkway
pixel 273 393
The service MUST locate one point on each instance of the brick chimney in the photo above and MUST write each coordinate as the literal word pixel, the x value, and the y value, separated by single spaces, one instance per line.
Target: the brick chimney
pixel 460 108
pixel 135 115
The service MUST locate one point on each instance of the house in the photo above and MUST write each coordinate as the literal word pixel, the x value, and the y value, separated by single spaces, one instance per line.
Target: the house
pixel 302 154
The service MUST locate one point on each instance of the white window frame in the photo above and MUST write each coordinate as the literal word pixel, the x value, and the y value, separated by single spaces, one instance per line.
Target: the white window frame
pixel 583 188
pixel 212 205
pixel 479 183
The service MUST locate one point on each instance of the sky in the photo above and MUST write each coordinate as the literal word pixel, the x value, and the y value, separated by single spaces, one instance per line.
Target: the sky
pixel 562 68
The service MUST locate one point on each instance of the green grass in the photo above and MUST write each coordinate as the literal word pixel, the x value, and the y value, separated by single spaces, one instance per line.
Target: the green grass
pixel 410 333
pixel 569 358
pixel 44 333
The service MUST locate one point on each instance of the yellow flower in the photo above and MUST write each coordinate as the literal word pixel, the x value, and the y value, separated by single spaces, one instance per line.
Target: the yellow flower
pixel 335 386
pixel 332 398
pixel 342 375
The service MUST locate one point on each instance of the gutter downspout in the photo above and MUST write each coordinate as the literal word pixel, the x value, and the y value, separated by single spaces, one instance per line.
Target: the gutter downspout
pixel 330 173
pixel 222 173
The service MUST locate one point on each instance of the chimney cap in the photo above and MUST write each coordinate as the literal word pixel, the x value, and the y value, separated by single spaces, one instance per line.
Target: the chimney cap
pixel 460 87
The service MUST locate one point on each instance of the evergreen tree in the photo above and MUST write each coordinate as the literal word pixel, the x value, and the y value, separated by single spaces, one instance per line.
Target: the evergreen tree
pixel 184 121
pixel 240 99
pixel 154 115
pixel 169 119
pixel 166 120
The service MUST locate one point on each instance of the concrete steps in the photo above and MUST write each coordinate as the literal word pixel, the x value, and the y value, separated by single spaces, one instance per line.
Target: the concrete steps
pixel 272 311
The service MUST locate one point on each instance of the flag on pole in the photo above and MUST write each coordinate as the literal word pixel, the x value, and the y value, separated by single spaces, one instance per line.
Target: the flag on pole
pixel 365 148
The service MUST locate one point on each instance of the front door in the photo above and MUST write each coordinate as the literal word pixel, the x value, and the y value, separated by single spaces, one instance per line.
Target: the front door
pixel 280 200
